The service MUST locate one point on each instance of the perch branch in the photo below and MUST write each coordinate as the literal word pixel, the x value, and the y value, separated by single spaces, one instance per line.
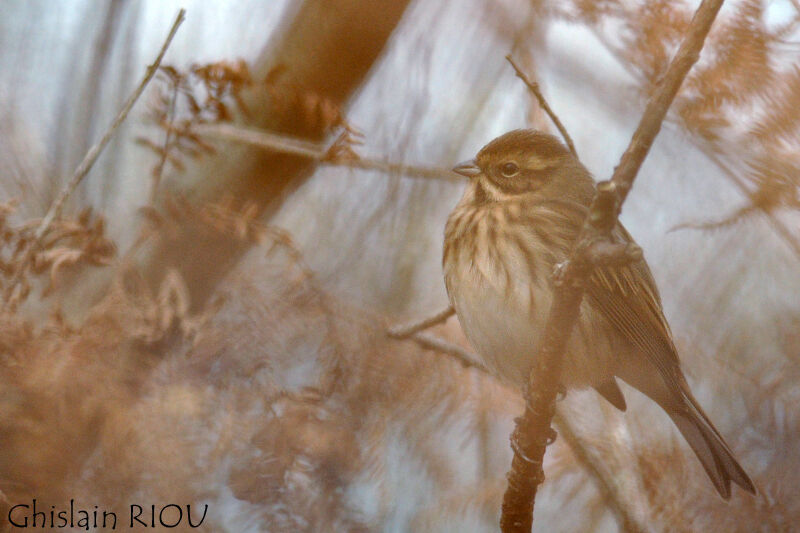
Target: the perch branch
pixel 708 149
pixel 316 151
pixel 532 429
pixel 87 163
pixel 614 500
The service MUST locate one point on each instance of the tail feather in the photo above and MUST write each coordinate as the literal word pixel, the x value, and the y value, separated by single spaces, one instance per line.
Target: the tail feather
pixel 710 448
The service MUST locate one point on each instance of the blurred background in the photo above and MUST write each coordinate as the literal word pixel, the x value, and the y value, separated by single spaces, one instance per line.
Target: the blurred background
pixel 205 322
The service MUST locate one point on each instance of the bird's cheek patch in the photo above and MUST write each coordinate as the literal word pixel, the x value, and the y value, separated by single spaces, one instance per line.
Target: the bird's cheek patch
pixel 539 176
pixel 515 185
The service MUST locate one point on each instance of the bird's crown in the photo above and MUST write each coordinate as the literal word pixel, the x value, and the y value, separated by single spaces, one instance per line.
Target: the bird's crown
pixel 530 148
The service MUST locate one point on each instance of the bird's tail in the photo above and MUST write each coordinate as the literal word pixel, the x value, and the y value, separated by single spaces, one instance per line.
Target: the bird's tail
pixel 709 446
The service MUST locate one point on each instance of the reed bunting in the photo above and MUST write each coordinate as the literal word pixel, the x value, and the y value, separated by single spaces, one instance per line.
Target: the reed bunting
pixel 520 214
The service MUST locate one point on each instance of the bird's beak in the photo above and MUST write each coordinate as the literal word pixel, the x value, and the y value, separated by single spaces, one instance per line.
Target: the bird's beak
pixel 467 169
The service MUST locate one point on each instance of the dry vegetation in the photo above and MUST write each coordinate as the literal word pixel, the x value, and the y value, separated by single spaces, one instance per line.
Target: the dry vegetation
pixel 288 408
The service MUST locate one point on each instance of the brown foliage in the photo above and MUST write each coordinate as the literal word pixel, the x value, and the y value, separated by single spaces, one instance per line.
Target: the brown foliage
pixel 286 407
pixel 68 243
pixel 129 404
pixel 743 99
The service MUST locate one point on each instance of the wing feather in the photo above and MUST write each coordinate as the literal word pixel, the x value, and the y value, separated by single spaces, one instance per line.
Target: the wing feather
pixel 628 298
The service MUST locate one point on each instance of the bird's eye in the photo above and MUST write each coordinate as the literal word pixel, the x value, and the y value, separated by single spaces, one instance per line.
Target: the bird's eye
pixel 509 169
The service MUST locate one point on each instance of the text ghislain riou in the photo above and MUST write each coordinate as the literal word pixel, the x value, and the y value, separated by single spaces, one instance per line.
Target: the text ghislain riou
pixel 33 515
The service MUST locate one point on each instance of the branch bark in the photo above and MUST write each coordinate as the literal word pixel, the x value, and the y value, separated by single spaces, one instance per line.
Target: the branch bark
pixel 532 432
pixel 711 152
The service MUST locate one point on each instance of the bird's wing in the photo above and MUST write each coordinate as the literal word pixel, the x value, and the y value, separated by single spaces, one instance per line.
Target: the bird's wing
pixel 628 298
pixel 609 390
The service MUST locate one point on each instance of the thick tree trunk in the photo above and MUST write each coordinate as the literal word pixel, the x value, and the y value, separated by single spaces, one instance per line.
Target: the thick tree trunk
pixel 327 49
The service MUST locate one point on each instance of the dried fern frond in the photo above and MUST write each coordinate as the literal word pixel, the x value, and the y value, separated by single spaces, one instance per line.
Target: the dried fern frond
pixel 207 93
pixel 68 242
pixel 743 99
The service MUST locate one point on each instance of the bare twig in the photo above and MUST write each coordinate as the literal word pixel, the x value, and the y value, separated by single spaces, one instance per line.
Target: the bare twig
pixel 534 88
pixel 432 342
pixel 532 429
pixel 162 161
pixel 316 151
pixel 262 139
pixel 406 330
pixel 415 332
pixel 611 252
pixel 86 165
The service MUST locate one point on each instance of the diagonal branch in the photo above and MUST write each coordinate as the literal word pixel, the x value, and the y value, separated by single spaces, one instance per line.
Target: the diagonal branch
pixel 532 429
pixel 86 164
pixel 415 331
pixel 608 490
pixel 712 153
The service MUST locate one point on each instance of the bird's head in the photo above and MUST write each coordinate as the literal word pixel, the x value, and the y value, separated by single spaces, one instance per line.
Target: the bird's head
pixel 526 163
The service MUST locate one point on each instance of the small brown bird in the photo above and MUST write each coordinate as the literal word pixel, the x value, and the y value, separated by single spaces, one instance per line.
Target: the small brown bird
pixel 521 212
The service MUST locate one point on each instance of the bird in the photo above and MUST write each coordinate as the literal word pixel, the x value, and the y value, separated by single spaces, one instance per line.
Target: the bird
pixel 518 218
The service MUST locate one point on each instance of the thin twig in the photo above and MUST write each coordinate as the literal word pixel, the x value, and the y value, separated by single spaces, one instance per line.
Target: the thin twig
pixel 316 151
pixel 532 429
pixel 403 331
pixel 159 170
pixel 534 88
pixel 86 165
pixel 415 332
pixel 432 342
